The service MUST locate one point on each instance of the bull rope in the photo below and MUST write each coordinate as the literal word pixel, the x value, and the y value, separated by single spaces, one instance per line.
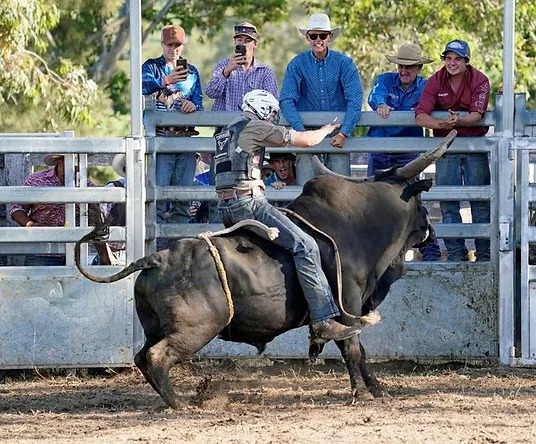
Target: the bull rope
pixel 271 233
pixel 338 265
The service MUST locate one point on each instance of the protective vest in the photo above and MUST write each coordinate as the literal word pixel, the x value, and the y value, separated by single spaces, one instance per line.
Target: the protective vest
pixel 232 163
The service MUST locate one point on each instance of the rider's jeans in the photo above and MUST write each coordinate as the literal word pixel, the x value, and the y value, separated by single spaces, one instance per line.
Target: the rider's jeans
pixel 302 246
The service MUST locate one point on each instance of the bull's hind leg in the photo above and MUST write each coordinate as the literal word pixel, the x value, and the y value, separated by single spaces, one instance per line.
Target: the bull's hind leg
pixel 161 357
pixel 351 352
pixel 141 360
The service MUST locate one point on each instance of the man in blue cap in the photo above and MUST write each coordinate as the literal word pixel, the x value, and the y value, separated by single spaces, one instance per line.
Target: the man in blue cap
pixel 458 86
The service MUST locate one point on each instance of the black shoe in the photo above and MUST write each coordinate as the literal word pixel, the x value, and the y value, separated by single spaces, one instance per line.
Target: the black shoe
pixel 331 329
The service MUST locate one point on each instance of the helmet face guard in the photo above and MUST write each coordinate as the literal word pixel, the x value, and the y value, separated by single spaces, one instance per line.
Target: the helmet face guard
pixel 263 104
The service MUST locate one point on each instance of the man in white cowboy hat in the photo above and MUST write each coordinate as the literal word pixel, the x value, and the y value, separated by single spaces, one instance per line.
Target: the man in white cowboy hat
pixel 399 91
pixel 321 79
pixel 115 215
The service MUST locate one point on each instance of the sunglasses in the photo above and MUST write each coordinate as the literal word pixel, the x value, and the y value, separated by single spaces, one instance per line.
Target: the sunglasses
pixel 314 36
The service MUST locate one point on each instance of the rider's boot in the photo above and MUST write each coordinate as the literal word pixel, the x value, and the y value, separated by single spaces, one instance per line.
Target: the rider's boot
pixel 331 329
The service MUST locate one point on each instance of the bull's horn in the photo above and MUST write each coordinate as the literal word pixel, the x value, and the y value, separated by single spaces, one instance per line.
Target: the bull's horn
pixel 417 166
pixel 320 169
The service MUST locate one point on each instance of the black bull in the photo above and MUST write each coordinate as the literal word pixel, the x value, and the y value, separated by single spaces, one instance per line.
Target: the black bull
pixel 179 296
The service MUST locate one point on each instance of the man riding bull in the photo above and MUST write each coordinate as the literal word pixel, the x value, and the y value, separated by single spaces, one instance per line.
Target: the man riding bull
pixel 239 156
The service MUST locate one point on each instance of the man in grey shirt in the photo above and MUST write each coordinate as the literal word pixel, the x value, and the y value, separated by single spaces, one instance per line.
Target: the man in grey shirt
pixel 239 158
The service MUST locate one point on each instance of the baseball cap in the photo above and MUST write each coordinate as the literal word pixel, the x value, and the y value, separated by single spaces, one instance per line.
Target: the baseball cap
pixel 460 47
pixel 246 28
pixel 173 34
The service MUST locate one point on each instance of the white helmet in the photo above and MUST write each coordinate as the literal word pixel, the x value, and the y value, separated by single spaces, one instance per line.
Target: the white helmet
pixel 262 103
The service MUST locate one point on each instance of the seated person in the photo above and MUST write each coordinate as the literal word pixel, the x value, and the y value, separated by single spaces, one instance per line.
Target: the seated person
pixel 48 214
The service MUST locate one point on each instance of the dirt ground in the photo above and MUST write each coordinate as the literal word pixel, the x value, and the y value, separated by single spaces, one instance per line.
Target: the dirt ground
pixel 276 402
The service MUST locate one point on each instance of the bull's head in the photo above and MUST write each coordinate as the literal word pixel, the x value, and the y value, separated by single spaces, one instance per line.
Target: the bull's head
pixel 407 172
pixel 420 230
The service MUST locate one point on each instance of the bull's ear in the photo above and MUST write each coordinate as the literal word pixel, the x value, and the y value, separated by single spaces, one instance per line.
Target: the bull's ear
pixel 415 188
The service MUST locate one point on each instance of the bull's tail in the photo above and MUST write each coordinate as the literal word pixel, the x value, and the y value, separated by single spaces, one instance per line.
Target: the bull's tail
pixel 371 318
pixel 99 234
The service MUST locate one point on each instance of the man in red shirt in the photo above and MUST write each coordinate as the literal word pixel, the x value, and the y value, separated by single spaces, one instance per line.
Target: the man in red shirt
pixel 458 86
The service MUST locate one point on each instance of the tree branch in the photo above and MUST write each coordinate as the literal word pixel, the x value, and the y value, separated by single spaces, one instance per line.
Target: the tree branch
pixel 55 77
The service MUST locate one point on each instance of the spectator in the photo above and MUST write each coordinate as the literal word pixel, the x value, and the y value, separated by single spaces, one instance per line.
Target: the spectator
pixel 399 91
pixel 458 86
pixel 283 167
pixel 234 77
pixel 241 196
pixel 115 213
pixel 47 215
pixel 284 170
pixel 266 171
pixel 321 80
pixel 237 75
pixel 177 89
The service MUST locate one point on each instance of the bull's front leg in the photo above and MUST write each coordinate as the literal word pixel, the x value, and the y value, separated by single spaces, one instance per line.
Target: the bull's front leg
pixel 351 352
pixel 373 385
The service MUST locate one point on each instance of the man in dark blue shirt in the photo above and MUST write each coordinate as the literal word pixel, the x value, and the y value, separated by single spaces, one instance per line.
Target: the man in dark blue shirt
pixel 399 91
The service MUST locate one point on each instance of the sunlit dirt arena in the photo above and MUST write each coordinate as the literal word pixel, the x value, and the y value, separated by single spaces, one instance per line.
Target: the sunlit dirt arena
pixel 278 402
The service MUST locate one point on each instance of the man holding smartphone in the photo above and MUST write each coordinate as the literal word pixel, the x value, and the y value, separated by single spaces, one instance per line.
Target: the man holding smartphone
pixel 177 86
pixel 241 73
pixel 236 76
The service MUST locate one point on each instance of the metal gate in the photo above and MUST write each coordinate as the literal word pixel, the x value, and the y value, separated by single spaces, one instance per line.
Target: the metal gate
pixel 49 315
pixel 525 303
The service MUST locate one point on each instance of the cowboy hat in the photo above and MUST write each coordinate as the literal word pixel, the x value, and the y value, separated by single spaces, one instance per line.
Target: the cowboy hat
pixel 321 22
pixel 408 55
pixel 52 159
pixel 119 166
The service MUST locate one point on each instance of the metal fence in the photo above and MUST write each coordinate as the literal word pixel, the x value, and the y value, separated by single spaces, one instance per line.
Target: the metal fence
pixel 455 304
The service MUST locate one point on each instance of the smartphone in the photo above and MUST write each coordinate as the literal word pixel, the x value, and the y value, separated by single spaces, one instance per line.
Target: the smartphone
pixel 240 49
pixel 182 64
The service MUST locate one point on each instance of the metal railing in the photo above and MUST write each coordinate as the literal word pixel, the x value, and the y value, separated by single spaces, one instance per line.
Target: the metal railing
pixel 156 145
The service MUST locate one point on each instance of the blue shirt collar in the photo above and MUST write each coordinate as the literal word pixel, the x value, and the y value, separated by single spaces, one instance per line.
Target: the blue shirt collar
pixel 317 60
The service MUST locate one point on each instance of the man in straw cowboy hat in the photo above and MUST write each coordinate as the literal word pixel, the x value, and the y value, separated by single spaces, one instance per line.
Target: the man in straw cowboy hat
pixel 458 86
pixel 321 79
pixel 48 214
pixel 399 91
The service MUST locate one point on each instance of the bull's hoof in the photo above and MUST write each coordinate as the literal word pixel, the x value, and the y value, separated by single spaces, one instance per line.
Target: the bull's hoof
pixel 379 391
pixel 315 349
pixel 361 396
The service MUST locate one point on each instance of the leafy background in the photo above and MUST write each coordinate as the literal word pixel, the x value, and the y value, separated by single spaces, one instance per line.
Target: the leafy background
pixel 65 63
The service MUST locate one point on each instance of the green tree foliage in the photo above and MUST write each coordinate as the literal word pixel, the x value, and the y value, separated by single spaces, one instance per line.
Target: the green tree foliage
pixel 28 79
pixel 45 43
pixel 373 28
